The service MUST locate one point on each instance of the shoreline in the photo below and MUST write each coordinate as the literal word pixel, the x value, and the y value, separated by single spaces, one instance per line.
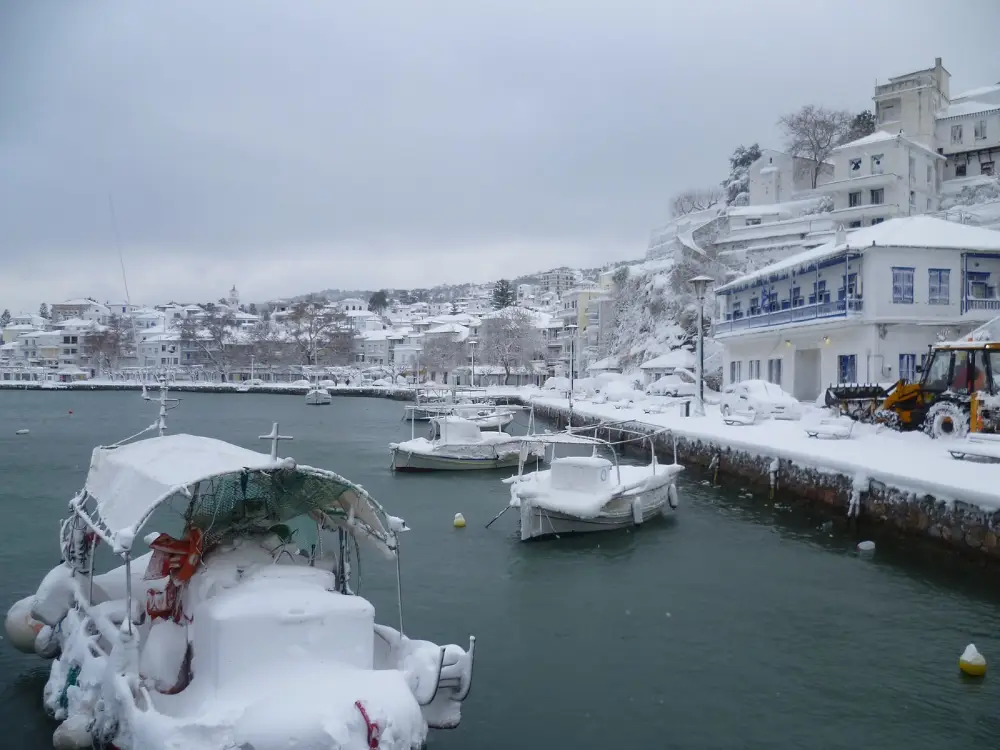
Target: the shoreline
pixel 396 394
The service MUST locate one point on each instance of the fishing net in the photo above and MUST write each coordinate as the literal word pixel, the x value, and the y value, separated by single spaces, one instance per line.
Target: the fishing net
pixel 253 501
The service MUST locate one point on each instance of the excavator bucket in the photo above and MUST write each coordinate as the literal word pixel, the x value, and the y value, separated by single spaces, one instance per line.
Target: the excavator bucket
pixel 858 402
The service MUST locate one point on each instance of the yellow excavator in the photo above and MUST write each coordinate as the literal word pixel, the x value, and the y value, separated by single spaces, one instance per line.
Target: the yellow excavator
pixel 957 392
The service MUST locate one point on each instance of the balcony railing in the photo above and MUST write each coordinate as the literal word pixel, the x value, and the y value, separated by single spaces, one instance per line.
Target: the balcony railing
pixel 982 304
pixel 832 309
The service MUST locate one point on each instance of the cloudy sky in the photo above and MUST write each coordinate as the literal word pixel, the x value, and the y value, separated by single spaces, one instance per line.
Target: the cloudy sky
pixel 294 145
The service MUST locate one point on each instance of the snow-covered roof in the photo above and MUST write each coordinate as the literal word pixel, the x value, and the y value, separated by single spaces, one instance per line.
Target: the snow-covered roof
pixel 461 330
pixel 966 108
pixel 77 323
pixel 129 481
pixel 672 359
pixel 78 303
pixel 608 363
pixel 881 136
pixel 908 231
pixel 981 91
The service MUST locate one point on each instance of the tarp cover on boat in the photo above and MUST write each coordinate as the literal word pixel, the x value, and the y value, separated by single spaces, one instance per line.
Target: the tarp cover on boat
pixel 222 486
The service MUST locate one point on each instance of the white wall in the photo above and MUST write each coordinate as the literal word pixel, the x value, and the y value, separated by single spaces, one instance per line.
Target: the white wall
pixel 908 176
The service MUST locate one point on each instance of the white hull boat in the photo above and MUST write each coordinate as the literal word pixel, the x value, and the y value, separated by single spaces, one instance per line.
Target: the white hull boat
pixel 461 446
pixel 580 494
pixel 318 397
pixel 244 632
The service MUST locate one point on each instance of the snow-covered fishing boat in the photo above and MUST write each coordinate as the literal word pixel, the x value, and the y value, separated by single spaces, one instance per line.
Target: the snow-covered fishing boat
pixel 435 402
pixel 318 397
pixel 246 630
pixel 459 444
pixel 589 493
pixel 485 416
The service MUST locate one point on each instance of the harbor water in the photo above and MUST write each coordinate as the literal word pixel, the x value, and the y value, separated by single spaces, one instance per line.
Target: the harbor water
pixel 740 623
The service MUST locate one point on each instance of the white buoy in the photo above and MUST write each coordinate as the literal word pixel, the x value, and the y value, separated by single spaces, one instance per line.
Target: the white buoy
pixel 22 629
pixel 971 662
pixel 22 432
pixel 866 546
pixel 459 521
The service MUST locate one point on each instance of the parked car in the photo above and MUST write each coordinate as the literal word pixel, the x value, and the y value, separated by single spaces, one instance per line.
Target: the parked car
pixel 672 385
pixel 766 399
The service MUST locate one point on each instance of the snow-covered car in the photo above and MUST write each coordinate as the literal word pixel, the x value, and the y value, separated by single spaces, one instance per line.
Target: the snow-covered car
pixel 765 399
pixel 672 385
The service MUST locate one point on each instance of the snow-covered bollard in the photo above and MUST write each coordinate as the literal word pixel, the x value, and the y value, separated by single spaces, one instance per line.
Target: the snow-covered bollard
pixel 866 548
pixel 459 521
pixel 971 662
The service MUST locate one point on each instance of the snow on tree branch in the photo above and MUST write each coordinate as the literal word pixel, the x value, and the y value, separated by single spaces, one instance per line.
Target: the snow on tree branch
pixel 510 340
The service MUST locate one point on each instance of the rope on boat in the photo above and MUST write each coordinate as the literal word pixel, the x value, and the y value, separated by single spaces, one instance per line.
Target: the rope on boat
pixel 371 726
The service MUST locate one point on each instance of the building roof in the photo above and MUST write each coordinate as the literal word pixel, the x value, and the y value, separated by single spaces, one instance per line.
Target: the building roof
pixel 675 358
pixel 981 91
pixel 908 231
pixel 881 136
pixel 966 108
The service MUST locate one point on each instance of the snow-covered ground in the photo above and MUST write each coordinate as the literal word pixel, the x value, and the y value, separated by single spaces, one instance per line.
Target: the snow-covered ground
pixel 909 461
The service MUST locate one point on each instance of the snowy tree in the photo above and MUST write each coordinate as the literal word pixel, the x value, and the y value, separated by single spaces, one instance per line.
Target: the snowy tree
pixel 737 185
pixel 5 318
pixel 509 340
pixel 267 345
pixel 504 295
pixel 253 308
pixel 43 311
pixel 212 335
pixel 698 199
pixel 863 124
pixel 378 302
pixel 318 331
pixel 109 344
pixel 442 353
pixel 813 132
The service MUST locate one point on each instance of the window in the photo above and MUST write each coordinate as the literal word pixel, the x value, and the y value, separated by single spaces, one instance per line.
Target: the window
pixel 754 369
pixel 930 174
pixel 960 170
pixel 877 164
pixel 855 224
pixel 774 371
pixel 913 199
pixel 956 133
pixel 878 196
pixel 902 285
pixel 878 220
pixel 978 285
pixel 929 204
pixel 908 367
pixel 854 199
pixel 980 130
pixel 986 168
pixel 855 165
pixel 938 286
pixel 753 222
pixel 912 164
pixel 735 374
pixel 847 368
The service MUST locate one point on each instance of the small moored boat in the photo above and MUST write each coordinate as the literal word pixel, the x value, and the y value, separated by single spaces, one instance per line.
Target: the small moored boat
pixel 589 493
pixel 242 632
pixel 459 444
pixel 318 397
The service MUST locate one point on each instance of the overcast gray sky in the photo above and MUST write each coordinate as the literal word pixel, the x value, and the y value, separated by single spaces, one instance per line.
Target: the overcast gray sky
pixel 295 145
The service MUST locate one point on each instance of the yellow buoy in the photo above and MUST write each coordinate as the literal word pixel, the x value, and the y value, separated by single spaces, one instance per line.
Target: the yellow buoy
pixel 971 662
pixel 459 521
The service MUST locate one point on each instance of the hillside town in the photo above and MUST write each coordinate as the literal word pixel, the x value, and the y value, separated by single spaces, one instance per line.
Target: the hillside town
pixel 835 263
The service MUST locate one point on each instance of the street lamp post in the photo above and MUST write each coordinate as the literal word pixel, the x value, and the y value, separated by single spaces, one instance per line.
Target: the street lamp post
pixel 472 344
pixel 572 371
pixel 700 283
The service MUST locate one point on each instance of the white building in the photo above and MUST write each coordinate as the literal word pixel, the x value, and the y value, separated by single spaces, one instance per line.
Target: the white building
pixel 777 177
pixel 861 308
pixel 882 176
pixel 968 133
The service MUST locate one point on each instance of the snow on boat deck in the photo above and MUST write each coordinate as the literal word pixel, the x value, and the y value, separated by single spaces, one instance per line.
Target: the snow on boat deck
pixel 909 461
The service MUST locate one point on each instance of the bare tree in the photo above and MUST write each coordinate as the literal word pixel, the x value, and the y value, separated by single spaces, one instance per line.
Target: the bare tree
pixel 318 331
pixel 267 345
pixel 509 340
pixel 442 353
pixel 698 199
pixel 212 335
pixel 813 132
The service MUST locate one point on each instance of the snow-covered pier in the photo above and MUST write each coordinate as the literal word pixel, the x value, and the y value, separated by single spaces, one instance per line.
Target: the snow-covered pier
pixel 397 394
pixel 902 483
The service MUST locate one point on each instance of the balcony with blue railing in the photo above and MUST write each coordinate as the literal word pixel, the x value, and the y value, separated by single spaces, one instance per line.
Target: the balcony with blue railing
pixel 839 308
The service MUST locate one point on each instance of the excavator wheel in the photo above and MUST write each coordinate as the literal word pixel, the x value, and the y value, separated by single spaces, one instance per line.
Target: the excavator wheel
pixel 946 421
pixel 887 417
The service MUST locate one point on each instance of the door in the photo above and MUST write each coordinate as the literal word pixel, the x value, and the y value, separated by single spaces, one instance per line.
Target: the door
pixel 806 376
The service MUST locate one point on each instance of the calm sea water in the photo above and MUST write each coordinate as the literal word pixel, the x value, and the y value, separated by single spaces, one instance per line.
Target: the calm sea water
pixel 738 625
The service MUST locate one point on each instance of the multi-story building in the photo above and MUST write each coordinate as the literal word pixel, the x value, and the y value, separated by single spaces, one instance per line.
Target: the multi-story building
pixel 84 309
pixel 861 308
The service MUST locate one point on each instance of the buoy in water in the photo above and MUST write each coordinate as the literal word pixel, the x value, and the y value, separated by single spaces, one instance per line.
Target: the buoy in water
pixel 971 662
pixel 866 546
pixel 459 521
